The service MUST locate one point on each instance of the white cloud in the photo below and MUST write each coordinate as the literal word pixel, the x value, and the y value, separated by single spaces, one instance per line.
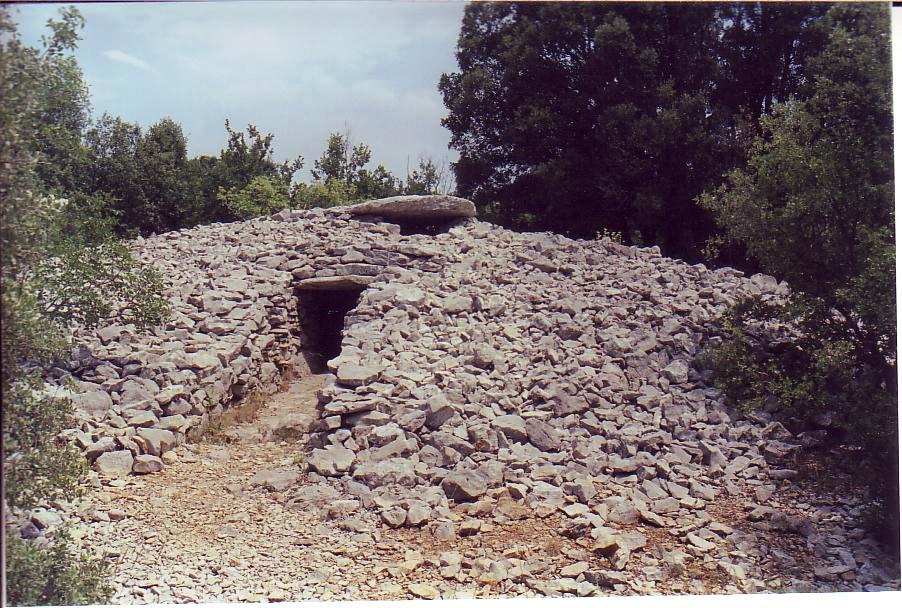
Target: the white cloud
pixel 123 57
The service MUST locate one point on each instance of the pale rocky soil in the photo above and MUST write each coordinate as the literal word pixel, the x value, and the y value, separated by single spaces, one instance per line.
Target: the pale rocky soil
pixel 201 530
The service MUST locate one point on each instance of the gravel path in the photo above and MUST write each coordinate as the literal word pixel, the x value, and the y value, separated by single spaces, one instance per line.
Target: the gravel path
pixel 199 530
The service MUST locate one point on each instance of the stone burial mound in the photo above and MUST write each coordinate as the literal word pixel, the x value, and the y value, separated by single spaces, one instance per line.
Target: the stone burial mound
pixel 472 372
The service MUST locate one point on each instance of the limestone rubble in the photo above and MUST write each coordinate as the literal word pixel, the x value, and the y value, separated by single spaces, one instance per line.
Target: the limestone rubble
pixel 480 366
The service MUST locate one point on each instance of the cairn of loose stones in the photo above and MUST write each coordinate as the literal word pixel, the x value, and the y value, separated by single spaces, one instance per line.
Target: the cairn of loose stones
pixel 480 372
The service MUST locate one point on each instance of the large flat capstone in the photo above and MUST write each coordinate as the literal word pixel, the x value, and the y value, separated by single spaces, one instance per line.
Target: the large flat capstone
pixel 346 282
pixel 416 208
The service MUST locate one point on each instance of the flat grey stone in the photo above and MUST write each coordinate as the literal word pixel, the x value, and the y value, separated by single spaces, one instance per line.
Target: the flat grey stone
pixel 332 460
pixel 416 208
pixel 94 403
pixel 353 375
pixel 157 440
pixel 115 464
pixel 275 480
pixel 147 464
pixel 464 485
pixel 343 282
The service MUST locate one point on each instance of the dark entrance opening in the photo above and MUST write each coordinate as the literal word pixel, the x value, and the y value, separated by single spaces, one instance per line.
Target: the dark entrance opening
pixel 430 227
pixel 321 313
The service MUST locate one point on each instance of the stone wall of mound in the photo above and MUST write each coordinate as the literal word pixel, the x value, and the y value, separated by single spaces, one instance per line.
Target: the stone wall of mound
pixel 233 333
pixel 478 362
pixel 537 368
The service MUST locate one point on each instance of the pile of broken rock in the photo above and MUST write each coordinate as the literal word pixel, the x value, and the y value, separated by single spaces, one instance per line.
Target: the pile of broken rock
pixel 516 374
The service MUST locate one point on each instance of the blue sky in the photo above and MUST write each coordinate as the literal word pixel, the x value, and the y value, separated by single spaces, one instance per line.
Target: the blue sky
pixel 295 69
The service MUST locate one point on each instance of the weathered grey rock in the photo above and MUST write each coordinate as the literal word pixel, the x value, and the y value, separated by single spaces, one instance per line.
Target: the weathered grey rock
pixel 141 418
pixel 332 460
pixel 464 485
pixel 146 463
pixel 393 471
pixel 700 543
pixel 583 489
pixel 469 527
pixel 275 480
pixel 171 392
pixel 394 516
pixel 438 411
pixel 621 510
pixel 444 531
pixel 158 441
pixel 46 519
pixel 418 513
pixel 114 464
pixel 543 435
pixel 343 282
pixel 574 570
pixel 677 371
pixel 173 423
pixel 94 403
pixel 104 444
pixel 353 375
pixel 457 304
pixel 424 591
pixel 415 208
pixel 513 427
pixel 605 541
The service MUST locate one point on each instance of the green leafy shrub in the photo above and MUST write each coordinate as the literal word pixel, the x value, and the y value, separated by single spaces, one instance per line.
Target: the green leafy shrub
pixel 89 219
pixel 814 207
pixel 89 284
pixel 758 368
pixel 37 465
pixel 59 266
pixel 427 178
pixel 262 196
pixel 787 358
pixel 53 575
pixel 330 193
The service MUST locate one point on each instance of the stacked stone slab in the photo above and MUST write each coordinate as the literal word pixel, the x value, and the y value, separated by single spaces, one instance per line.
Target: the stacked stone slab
pixel 483 372
pixel 535 367
pixel 477 359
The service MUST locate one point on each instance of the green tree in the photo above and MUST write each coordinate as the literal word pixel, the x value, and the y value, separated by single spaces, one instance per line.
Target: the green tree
pixel 162 161
pixel 263 196
pixel 815 203
pixel 61 109
pixel 244 159
pixel 113 169
pixel 814 206
pixel 332 193
pixel 376 183
pixel 341 160
pixel 427 178
pixel 48 279
pixel 202 184
pixel 576 118
pixel 345 163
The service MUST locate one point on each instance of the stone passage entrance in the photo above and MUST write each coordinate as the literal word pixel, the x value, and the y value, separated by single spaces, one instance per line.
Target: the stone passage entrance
pixel 427 226
pixel 321 313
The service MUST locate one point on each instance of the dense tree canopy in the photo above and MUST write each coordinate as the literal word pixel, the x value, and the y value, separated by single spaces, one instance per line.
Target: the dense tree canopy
pixel 815 203
pixel 814 206
pixel 576 118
